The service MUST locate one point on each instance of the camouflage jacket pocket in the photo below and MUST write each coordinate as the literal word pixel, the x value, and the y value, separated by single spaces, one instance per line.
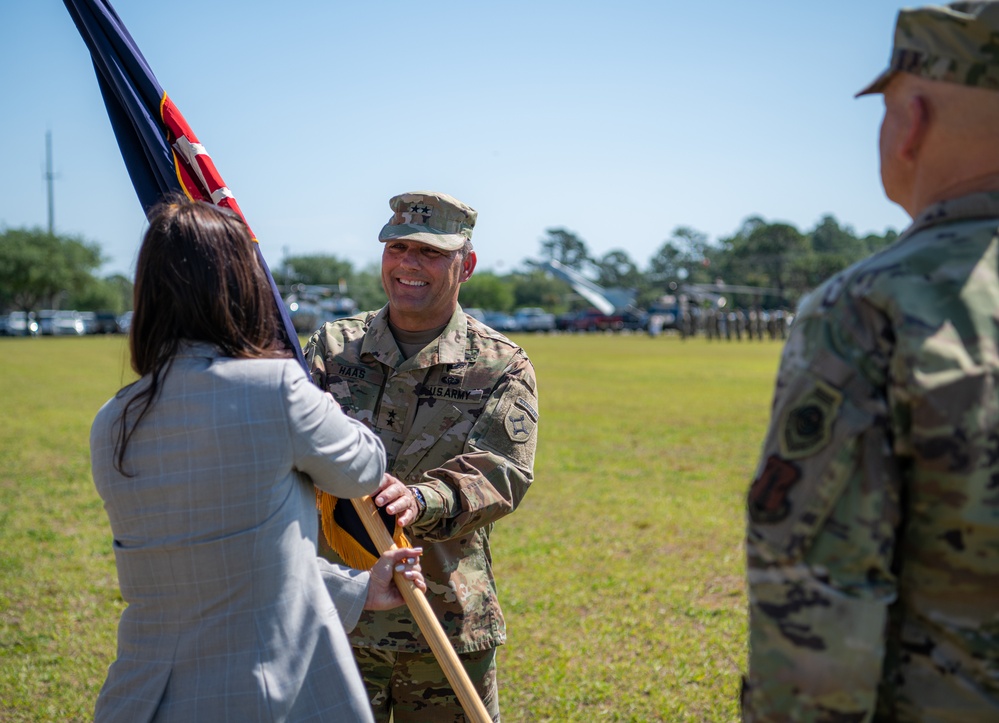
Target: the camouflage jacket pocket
pixel 438 440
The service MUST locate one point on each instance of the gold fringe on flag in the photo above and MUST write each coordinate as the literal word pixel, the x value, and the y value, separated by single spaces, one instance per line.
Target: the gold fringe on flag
pixel 345 543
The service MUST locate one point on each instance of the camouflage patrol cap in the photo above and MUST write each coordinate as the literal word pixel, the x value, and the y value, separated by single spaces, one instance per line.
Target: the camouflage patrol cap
pixel 955 43
pixel 431 218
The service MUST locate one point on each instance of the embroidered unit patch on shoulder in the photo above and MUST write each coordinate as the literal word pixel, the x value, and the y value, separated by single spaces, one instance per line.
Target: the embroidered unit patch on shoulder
pixel 520 421
pixel 807 425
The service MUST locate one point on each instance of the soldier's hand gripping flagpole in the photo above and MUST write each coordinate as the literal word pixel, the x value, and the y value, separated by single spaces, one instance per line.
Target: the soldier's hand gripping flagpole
pixel 426 620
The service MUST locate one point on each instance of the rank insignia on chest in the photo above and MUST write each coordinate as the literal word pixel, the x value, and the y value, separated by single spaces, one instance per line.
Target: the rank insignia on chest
pixel 392 420
pixel 806 425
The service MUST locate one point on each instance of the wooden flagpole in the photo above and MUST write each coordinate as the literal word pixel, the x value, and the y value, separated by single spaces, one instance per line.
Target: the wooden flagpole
pixel 425 618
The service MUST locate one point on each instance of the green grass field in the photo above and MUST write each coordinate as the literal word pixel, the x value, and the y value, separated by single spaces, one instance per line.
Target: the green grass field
pixel 621 575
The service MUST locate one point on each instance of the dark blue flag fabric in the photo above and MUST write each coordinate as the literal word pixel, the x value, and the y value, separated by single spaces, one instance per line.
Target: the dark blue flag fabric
pixel 161 152
pixel 164 156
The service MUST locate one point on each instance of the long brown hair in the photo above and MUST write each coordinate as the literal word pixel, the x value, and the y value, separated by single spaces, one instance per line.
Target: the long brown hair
pixel 197 279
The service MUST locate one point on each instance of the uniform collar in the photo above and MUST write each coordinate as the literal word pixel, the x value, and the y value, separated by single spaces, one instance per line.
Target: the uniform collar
pixel 449 348
pixel 964 208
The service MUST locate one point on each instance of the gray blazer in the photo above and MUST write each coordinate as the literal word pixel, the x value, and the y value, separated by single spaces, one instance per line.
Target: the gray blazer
pixel 230 613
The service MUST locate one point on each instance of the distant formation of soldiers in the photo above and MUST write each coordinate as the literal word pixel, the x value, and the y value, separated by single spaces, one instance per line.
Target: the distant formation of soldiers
pixel 737 324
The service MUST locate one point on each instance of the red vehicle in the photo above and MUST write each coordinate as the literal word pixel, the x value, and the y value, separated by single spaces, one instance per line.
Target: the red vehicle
pixel 593 320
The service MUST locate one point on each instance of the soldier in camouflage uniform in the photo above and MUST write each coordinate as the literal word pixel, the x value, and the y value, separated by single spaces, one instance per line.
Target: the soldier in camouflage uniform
pixel 455 404
pixel 873 530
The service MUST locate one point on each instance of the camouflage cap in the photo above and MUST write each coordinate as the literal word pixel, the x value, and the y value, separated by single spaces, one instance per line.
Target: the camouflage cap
pixel 431 218
pixel 955 43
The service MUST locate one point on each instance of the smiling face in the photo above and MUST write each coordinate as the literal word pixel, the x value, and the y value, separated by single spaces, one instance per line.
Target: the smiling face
pixel 422 283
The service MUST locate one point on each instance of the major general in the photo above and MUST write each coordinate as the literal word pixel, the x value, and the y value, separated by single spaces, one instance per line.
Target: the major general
pixel 455 405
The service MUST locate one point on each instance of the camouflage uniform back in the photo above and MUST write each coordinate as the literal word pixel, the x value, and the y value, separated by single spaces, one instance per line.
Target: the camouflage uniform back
pixel 873 519
pixel 874 516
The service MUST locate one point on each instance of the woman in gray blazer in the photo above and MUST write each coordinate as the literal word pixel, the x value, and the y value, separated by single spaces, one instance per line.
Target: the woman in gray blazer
pixel 208 466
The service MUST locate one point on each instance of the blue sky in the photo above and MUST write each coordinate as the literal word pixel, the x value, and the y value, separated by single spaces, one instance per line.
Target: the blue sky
pixel 618 121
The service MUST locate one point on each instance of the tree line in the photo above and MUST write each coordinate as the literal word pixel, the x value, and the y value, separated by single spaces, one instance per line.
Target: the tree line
pixel 40 270
pixel 769 255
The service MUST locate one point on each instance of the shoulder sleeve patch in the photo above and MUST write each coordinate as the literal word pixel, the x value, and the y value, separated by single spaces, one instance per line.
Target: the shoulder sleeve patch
pixel 520 421
pixel 806 426
pixel 768 496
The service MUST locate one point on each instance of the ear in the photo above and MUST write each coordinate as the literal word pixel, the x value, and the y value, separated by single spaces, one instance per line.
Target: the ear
pixel 467 267
pixel 917 125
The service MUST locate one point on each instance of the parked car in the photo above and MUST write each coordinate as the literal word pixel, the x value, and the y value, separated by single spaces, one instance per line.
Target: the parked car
pixel 125 322
pixel 499 320
pixel 628 318
pixel 19 323
pixel 104 322
pixel 534 319
pixel 566 321
pixel 635 319
pixel 593 320
pixel 668 314
pixel 476 314
pixel 89 320
pixel 46 322
pixel 60 323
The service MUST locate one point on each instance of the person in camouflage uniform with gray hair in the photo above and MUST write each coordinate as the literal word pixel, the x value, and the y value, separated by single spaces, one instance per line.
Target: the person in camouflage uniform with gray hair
pixel 873 520
pixel 455 405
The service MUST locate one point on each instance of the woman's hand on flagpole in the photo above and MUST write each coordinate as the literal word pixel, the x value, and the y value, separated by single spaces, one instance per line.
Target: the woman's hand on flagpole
pixel 382 591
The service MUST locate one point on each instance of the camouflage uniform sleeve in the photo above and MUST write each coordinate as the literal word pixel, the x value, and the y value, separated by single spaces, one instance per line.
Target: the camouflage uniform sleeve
pixel 823 511
pixel 489 479
pixel 315 355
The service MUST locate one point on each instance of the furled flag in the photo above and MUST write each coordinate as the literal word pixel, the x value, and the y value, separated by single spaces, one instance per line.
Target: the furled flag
pixel 164 156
